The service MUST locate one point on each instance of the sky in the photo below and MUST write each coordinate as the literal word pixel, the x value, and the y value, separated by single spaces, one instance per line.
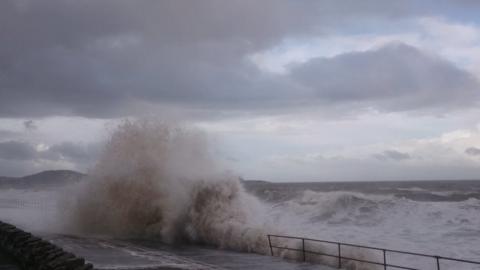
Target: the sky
pixel 287 90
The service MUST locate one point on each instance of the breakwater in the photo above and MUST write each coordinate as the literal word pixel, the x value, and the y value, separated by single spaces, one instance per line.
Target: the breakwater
pixel 32 252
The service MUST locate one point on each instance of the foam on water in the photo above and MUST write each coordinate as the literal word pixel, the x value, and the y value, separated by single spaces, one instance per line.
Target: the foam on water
pixel 446 228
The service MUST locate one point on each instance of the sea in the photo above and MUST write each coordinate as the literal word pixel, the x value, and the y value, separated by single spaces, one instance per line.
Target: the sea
pixel 429 217
pixel 439 218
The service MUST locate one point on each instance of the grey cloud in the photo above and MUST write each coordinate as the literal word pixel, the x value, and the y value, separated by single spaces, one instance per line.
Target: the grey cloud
pixel 69 151
pixel 103 58
pixel 15 150
pixel 473 151
pixel 392 155
pixel 372 170
pixel 73 151
pixel 97 59
pixel 18 158
pixel 7 134
pixel 396 77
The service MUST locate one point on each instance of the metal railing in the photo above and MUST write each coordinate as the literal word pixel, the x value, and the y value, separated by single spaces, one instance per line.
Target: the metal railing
pixel 340 257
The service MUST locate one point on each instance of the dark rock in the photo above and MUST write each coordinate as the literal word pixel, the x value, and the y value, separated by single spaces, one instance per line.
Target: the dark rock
pixel 54 254
pixel 60 260
pixel 87 266
pixel 32 252
pixel 74 262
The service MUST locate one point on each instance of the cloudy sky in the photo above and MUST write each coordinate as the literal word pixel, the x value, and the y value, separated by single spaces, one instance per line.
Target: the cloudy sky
pixel 288 90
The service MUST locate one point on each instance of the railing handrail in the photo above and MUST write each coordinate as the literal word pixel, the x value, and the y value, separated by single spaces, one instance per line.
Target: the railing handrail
pixel 340 257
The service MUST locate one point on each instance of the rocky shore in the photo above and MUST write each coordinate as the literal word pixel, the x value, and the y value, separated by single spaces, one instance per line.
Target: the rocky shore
pixel 31 252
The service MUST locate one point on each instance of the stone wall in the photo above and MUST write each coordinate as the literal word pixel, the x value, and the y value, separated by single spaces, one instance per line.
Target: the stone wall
pixel 32 252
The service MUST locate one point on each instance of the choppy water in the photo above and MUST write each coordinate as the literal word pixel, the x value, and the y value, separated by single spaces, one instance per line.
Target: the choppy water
pixel 433 217
pixel 440 218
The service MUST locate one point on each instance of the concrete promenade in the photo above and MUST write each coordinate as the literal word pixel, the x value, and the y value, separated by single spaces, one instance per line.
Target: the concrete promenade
pixel 124 254
pixel 22 250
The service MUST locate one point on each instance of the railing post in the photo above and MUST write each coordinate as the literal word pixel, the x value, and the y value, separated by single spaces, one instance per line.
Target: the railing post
pixel 270 244
pixel 339 256
pixel 303 248
pixel 384 259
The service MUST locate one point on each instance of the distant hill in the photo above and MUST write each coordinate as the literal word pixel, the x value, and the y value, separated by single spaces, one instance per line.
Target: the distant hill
pixel 42 180
pixel 255 181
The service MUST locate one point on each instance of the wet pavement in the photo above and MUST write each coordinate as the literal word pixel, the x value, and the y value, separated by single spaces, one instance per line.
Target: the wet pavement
pixel 120 254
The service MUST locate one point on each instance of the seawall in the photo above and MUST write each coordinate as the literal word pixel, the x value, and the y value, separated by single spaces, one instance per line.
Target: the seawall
pixel 32 252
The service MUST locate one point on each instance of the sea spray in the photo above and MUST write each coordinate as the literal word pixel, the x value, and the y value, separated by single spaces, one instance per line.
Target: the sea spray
pixel 158 181
pixel 161 182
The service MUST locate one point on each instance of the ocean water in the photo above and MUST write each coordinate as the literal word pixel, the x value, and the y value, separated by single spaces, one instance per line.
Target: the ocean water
pixel 433 217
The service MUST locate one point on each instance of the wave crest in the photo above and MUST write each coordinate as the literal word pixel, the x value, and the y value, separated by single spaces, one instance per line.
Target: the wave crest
pixel 159 181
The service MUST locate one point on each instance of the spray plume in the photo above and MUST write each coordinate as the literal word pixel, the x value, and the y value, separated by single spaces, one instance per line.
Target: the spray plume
pixel 158 181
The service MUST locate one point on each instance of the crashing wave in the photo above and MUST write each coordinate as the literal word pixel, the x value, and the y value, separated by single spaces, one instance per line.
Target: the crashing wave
pixel 158 181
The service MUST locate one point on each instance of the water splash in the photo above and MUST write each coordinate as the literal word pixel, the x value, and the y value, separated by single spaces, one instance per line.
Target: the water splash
pixel 158 181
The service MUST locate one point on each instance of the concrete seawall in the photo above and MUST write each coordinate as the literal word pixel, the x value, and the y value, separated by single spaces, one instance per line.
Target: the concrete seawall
pixel 31 252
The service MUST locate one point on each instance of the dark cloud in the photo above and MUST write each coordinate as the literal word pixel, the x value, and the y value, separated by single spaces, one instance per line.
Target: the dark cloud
pixel 396 77
pixel 473 151
pixel 392 155
pixel 98 59
pixel 109 58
